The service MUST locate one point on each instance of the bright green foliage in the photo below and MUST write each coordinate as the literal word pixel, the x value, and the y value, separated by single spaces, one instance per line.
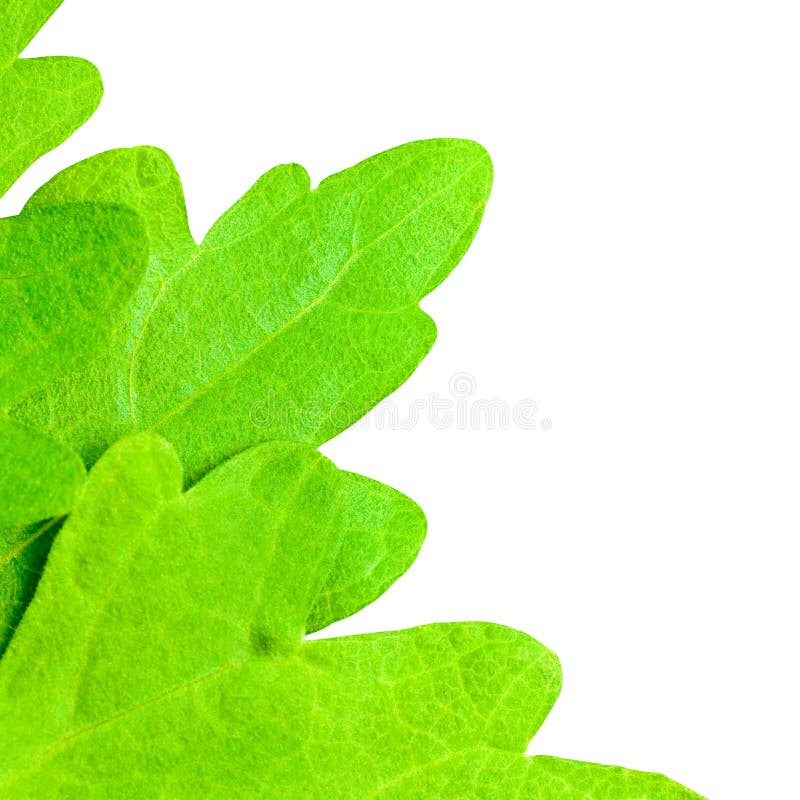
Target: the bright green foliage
pixel 38 477
pixel 43 100
pixel 166 644
pixel 64 272
pixel 294 317
pixel 23 552
pixel 382 531
pixel 164 653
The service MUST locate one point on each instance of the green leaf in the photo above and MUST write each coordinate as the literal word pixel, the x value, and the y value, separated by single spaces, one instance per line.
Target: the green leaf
pixel 383 532
pixel 295 316
pixel 23 552
pixel 43 100
pixel 64 273
pixel 38 477
pixel 165 645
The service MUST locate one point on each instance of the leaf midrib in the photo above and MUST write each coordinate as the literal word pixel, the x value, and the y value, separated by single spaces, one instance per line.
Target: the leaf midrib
pixel 6 559
pixel 306 310
pixel 68 739
pixel 202 249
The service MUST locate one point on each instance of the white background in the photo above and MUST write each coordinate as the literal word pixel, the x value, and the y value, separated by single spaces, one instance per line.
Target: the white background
pixel 636 276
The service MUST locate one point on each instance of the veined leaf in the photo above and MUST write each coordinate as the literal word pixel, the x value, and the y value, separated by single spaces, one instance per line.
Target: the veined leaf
pixel 296 315
pixel 64 272
pixel 166 644
pixel 382 533
pixel 23 552
pixel 38 477
pixel 43 100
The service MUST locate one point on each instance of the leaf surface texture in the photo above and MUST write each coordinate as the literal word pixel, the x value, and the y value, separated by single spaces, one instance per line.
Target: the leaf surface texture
pixel 43 100
pixel 64 273
pixel 296 315
pixel 166 641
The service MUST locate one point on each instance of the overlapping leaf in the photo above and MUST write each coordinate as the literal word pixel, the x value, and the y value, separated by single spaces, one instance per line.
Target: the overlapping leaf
pixel 164 653
pixel 64 272
pixel 43 100
pixel 296 315
pixel 166 646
